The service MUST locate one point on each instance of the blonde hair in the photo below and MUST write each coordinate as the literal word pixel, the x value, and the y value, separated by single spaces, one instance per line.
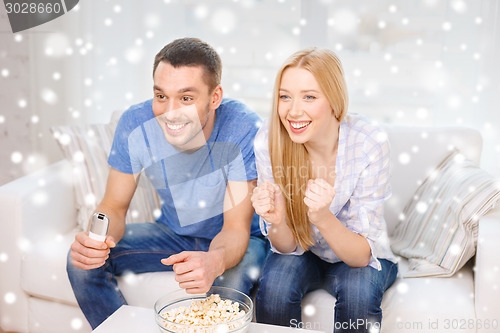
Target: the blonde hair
pixel 289 160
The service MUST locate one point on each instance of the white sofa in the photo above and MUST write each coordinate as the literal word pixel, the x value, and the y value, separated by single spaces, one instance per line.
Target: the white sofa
pixel 39 222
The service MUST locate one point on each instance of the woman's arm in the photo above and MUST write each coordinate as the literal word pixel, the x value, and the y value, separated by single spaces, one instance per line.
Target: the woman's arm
pixel 269 203
pixel 350 247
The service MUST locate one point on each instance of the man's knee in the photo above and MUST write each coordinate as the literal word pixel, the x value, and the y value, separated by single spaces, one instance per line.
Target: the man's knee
pixel 246 273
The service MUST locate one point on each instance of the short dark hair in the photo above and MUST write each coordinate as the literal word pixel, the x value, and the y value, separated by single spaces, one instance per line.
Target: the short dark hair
pixel 192 52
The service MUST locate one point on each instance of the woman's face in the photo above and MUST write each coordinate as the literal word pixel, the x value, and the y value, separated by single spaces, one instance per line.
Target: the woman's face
pixel 303 108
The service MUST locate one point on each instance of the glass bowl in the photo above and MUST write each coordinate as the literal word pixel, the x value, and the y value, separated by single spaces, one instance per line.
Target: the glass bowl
pixel 180 298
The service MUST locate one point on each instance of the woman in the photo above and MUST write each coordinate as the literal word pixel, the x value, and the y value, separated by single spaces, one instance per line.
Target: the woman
pixel 323 179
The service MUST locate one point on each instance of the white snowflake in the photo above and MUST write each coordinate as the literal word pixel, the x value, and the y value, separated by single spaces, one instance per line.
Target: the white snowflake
pixel 22 103
pixel 404 158
pixel 78 156
pixel 346 21
pixel 402 287
pixel 254 273
pixel 421 207
pixel 201 12
pixel 134 55
pixel 16 157
pixel 223 20
pixel 459 6
pixel 48 96
pixel 40 198
pixel 10 298
pixel 446 26
pixel 309 310
pixel 454 102
pixel 76 324
pixel 130 279
pixel 455 250
pixel 24 244
pixel 90 200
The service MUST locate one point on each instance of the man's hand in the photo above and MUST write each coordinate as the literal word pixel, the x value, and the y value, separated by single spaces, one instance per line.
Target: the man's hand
pixel 268 202
pixel 87 253
pixel 319 196
pixel 196 271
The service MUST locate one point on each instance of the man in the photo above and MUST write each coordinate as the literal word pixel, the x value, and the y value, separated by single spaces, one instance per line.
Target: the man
pixel 196 148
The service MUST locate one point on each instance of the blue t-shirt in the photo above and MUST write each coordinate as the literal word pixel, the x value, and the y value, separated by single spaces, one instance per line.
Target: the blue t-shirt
pixel 191 186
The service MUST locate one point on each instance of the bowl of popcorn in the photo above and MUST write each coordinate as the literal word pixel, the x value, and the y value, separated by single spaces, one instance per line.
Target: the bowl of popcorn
pixel 220 310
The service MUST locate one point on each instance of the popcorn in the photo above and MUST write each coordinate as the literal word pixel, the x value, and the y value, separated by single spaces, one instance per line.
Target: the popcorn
pixel 207 312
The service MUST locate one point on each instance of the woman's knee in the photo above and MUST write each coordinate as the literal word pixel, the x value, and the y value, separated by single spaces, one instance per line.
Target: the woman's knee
pixel 283 279
pixel 361 285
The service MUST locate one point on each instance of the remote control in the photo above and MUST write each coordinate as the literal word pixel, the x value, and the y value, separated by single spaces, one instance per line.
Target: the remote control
pixel 99 227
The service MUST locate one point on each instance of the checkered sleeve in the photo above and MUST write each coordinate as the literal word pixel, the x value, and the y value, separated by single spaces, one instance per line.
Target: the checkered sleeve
pixel 366 205
pixel 265 173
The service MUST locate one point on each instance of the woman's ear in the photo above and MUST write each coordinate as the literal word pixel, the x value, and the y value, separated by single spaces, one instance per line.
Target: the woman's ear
pixel 216 97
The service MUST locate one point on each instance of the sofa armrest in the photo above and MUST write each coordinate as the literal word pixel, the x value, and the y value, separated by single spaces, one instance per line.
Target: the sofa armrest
pixel 40 204
pixel 34 207
pixel 487 270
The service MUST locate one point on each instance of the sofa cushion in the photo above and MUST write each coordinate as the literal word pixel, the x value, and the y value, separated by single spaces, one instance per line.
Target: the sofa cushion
pixel 409 305
pixel 45 316
pixel 415 152
pixel 438 231
pixel 43 269
pixel 87 147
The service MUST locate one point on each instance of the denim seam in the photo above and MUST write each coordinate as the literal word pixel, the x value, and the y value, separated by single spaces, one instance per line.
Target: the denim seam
pixel 140 252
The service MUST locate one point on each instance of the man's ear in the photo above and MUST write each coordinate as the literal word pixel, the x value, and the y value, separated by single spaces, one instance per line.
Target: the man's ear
pixel 216 97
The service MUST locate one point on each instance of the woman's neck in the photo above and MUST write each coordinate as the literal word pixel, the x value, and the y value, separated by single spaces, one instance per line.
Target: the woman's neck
pixel 325 147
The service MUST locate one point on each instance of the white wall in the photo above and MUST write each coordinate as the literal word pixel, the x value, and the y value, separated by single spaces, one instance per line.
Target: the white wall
pixel 428 62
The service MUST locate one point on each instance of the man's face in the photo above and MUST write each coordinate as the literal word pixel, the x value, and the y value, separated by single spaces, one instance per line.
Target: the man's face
pixel 184 105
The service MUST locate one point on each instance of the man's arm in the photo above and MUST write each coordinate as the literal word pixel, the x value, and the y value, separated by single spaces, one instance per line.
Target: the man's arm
pixel 196 271
pixel 232 241
pixel 87 253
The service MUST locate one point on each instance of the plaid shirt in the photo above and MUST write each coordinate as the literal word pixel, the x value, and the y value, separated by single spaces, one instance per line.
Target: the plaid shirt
pixel 362 186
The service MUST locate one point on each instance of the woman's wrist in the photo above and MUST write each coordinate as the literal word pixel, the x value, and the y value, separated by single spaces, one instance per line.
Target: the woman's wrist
pixel 323 220
pixel 282 237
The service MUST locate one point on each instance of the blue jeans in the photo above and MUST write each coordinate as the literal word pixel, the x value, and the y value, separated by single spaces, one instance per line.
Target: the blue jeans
pixel 140 251
pixel 286 279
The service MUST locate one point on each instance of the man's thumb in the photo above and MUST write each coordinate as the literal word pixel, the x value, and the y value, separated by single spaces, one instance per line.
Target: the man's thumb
pixel 110 241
